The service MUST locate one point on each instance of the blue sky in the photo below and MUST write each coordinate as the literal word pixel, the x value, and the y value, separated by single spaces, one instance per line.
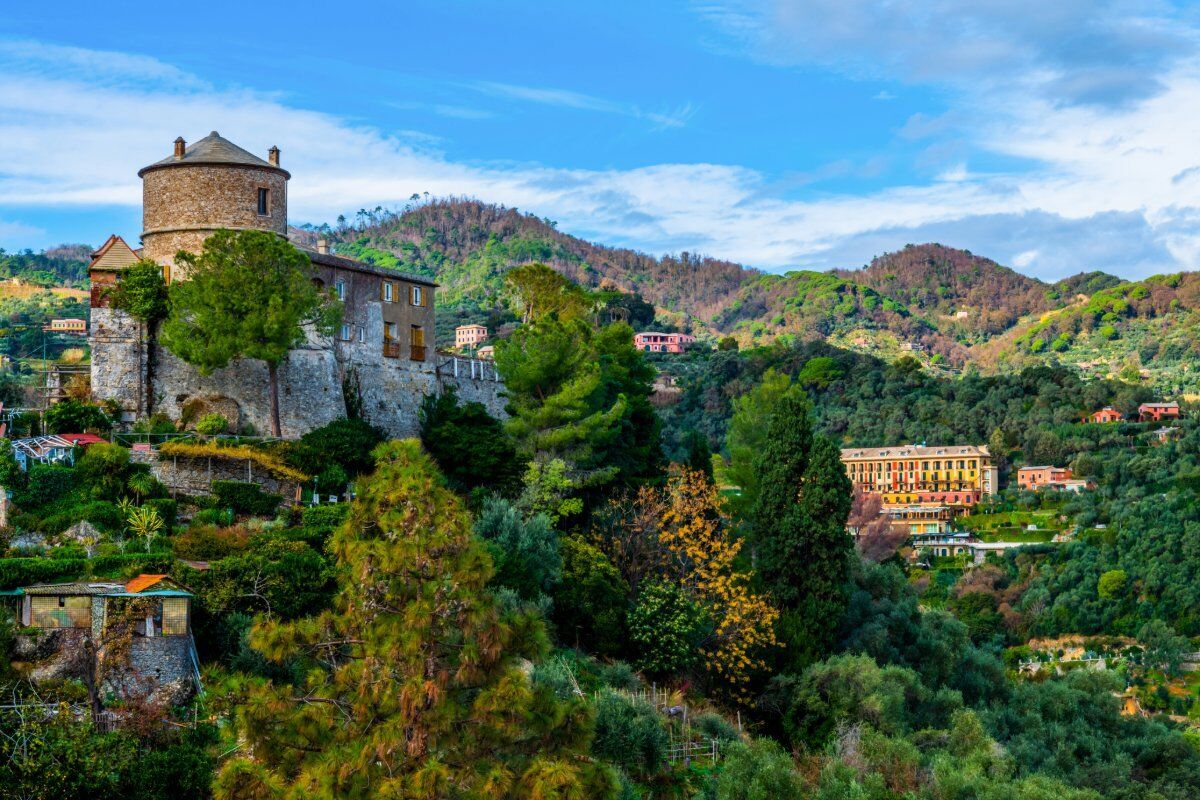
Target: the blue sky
pixel 778 133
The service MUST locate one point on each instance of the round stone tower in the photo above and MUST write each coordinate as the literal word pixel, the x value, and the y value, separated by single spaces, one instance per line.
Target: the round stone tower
pixel 210 185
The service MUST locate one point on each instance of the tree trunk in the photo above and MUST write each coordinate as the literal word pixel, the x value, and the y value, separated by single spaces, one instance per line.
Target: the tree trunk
pixel 151 334
pixel 273 390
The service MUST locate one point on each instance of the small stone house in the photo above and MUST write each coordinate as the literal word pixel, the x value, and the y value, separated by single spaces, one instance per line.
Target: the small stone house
pixel 58 621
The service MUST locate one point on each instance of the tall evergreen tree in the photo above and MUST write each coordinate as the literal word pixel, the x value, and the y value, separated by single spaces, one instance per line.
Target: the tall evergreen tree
pixel 247 295
pixel 799 527
pixel 412 684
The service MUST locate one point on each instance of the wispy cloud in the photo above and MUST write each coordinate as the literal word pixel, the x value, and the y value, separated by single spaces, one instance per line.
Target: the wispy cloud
pixel 1104 192
pixel 564 98
pixel 1090 52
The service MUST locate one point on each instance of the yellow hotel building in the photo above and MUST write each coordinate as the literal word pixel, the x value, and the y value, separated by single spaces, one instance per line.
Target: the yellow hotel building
pixel 907 475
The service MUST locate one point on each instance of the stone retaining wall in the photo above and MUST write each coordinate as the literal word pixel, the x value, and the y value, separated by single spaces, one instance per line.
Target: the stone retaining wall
pixel 194 476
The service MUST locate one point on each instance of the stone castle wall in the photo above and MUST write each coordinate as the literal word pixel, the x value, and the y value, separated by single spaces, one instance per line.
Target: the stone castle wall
pixel 311 381
pixel 118 360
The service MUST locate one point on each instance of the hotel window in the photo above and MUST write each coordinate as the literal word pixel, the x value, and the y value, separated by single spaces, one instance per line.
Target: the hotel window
pixel 389 331
pixel 417 295
pixel 388 289
pixel 340 287
pixel 345 333
pixel 264 200
pixel 362 334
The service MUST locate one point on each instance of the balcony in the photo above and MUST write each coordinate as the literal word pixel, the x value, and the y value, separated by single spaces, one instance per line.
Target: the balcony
pixel 391 349
pixel 417 352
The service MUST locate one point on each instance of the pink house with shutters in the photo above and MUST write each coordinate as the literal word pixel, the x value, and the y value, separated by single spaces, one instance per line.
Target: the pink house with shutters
pixel 662 342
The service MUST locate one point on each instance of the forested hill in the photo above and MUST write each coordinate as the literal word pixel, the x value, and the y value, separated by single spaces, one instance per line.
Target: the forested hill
pixel 948 306
pixel 65 265
pixel 468 246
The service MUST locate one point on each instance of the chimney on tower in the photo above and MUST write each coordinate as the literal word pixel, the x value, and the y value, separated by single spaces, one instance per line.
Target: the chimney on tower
pixel 273 156
pixel 180 144
pixel 322 245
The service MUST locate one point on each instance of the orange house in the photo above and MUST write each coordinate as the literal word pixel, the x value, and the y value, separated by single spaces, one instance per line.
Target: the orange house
pixel 1155 412
pixel 1106 414
pixel 1034 478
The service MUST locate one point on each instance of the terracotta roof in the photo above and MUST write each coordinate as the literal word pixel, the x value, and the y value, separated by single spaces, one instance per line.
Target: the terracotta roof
pixel 143 582
pixel 214 149
pixel 341 262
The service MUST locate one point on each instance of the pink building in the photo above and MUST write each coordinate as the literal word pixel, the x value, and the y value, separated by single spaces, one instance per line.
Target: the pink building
pixel 469 335
pixel 1154 412
pixel 662 342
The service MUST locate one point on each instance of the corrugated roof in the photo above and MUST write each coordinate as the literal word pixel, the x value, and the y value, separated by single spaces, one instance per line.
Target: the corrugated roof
pixel 214 149
pixel 75 588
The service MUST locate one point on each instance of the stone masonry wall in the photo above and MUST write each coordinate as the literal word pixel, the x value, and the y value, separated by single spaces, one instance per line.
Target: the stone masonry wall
pixel 118 360
pixel 310 380
pixel 182 204
pixel 194 476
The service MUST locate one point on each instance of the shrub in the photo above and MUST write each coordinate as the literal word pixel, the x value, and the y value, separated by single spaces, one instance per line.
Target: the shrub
pixel 157 422
pixel 245 498
pixel 319 522
pixel 666 628
pixel 16 572
pixel 75 416
pixel 760 770
pixel 45 484
pixel 629 733
pixel 345 442
pixel 591 599
pixel 714 726
pixel 210 543
pixel 103 469
pixel 213 516
pixel 212 425
pixel 168 510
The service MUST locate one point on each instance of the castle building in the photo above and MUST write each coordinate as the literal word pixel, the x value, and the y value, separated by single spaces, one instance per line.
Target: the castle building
pixel 955 475
pixel 380 359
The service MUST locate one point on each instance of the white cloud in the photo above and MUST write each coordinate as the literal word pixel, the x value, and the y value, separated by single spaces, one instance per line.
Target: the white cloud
pixel 564 98
pixel 1106 191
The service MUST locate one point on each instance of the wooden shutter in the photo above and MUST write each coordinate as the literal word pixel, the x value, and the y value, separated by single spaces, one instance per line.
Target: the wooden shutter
pixel 418 336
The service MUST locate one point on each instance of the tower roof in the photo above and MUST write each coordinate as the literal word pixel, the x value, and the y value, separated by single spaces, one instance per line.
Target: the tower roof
pixel 214 149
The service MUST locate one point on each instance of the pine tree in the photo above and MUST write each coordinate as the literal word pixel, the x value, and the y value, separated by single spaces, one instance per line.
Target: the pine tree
pixel 799 527
pixel 413 685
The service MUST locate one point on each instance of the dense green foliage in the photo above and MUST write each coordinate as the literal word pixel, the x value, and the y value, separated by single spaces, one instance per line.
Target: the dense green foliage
pixel 247 295
pixel 470 446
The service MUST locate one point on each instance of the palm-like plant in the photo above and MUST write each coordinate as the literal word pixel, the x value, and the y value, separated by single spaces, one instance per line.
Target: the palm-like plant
pixel 146 523
pixel 142 485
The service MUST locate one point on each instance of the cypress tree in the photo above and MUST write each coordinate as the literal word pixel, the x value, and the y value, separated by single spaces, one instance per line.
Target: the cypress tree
pixel 799 528
pixel 412 684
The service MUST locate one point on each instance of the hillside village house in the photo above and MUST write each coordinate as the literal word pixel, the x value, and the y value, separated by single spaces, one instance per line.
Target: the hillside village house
pixel 1156 412
pixel 1106 415
pixel 1036 477
pixel 470 336
pixel 383 349
pixel 653 342
pixel 910 475
pixel 161 655
pixel 70 325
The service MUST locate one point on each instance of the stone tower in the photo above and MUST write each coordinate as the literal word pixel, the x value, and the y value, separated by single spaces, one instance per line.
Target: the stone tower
pixel 210 185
